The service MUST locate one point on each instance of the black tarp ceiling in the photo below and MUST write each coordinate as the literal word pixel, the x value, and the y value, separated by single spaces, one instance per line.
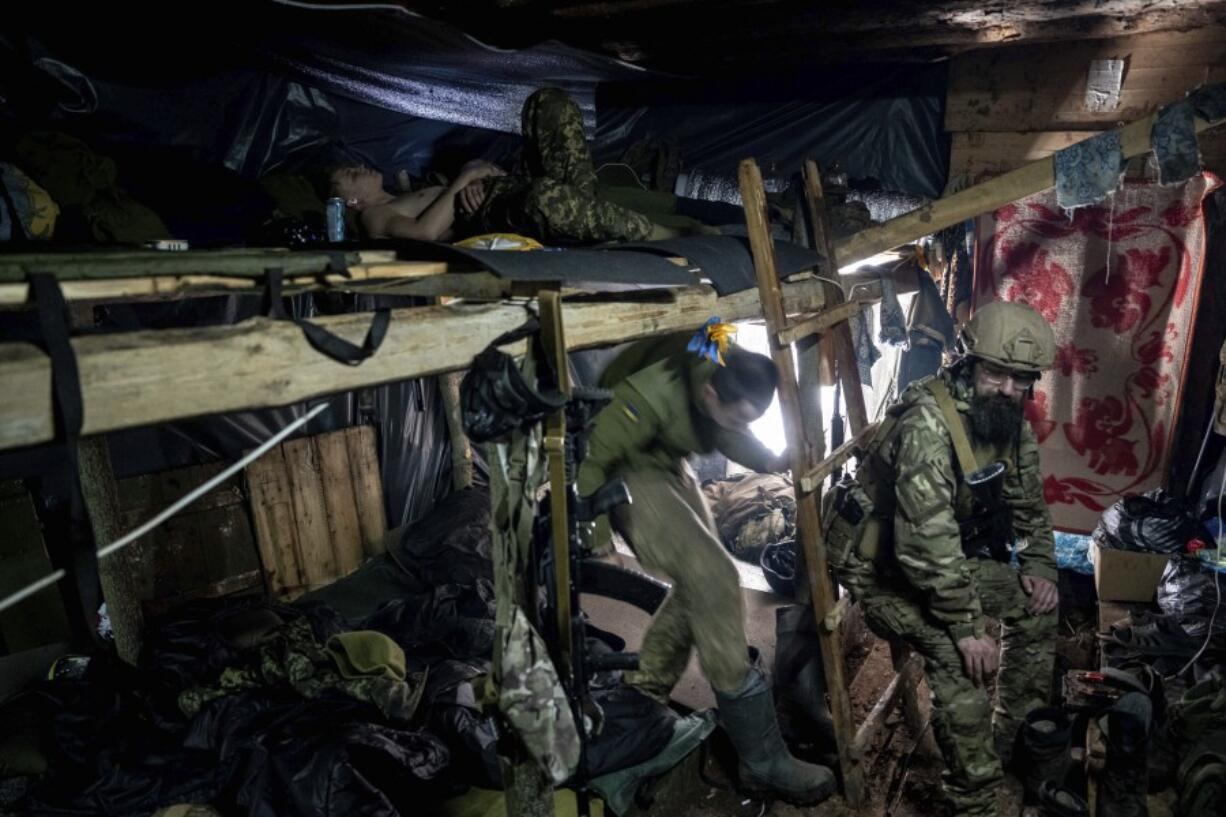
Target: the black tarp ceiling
pixel 406 92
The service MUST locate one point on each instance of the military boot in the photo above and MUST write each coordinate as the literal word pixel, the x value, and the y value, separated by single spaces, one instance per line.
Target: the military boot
pixel 1044 750
pixel 1123 787
pixel 766 766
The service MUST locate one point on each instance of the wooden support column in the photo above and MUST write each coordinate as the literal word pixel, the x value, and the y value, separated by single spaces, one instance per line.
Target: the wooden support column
pixel 461 448
pixel 120 573
pixel 808 522
pixel 904 681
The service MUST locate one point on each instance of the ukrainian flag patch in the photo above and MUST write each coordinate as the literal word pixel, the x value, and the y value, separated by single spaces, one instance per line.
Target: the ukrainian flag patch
pixel 630 411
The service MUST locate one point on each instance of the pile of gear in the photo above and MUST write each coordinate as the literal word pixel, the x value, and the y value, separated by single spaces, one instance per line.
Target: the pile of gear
pixel 235 704
pixel 756 518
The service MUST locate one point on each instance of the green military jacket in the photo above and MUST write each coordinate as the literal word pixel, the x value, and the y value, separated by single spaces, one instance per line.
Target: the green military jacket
pixel 926 557
pixel 655 420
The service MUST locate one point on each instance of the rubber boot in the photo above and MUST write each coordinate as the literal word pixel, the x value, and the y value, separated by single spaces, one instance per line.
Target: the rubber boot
pixel 1123 787
pixel 1044 750
pixel 800 686
pixel 766 767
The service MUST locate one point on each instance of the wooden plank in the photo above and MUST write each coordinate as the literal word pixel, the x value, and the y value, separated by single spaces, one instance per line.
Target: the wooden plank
pixel 844 348
pixel 808 521
pixel 340 501
pixel 821 322
pixel 1042 87
pixel 140 378
pixel 981 198
pixel 365 475
pixel 316 561
pixel 243 263
pixel 977 156
pixel 816 475
pixel 172 286
pixel 272 510
pixel 206 543
pixel 876 717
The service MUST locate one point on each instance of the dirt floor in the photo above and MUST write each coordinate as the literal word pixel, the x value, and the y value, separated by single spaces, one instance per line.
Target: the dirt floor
pixel 904 770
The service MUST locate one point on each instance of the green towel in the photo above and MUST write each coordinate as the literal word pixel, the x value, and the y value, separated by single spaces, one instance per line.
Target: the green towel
pixel 365 654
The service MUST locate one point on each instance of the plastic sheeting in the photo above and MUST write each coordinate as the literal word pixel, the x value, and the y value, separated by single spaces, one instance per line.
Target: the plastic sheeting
pixel 878 122
pixel 406 92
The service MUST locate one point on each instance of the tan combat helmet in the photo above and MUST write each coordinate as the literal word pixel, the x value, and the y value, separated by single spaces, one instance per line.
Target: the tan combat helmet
pixel 1011 335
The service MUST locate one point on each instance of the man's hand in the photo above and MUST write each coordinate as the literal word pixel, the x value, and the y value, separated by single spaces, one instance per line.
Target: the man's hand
pixel 480 169
pixel 979 659
pixel 1044 596
pixel 472 196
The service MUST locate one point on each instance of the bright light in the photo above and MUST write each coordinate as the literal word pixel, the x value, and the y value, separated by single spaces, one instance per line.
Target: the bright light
pixel 769 427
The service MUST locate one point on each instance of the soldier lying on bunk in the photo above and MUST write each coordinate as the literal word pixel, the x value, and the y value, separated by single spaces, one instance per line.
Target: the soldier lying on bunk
pixel 553 199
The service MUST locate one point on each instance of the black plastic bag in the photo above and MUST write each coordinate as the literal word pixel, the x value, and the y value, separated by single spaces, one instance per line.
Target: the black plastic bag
pixel 1153 522
pixel 1186 592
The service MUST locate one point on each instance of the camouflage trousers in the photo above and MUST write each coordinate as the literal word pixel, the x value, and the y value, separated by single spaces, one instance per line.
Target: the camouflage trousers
pixel 671 530
pixel 959 709
pixel 554 199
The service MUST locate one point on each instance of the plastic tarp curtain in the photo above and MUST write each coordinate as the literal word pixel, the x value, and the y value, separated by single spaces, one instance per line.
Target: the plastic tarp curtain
pixel 405 92
pixel 877 122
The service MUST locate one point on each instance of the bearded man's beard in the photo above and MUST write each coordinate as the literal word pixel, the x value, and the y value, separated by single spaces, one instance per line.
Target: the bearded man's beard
pixel 996 419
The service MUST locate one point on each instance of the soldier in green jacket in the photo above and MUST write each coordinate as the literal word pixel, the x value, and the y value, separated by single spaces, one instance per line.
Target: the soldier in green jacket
pixel 669 403
pixel 930 542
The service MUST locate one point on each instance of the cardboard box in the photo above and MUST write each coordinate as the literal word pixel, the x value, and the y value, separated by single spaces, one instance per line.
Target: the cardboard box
pixel 1125 575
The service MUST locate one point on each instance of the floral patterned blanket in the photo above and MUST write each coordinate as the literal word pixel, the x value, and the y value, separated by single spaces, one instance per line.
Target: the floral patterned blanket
pixel 1119 282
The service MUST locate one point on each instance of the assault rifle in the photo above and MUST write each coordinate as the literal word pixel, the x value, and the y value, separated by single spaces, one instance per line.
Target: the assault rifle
pixel 559 564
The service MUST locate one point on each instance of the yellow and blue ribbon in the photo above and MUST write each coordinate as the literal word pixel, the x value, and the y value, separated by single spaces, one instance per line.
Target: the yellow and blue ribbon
pixel 711 341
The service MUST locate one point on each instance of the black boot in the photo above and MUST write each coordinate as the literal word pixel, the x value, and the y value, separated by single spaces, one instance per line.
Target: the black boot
pixel 1123 787
pixel 800 686
pixel 766 766
pixel 1044 750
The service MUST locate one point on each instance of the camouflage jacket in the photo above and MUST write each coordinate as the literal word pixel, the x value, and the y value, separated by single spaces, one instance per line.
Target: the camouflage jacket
pixel 926 557
pixel 655 421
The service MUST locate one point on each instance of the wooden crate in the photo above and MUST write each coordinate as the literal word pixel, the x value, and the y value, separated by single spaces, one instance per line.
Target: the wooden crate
pixel 317 504
pixel 207 549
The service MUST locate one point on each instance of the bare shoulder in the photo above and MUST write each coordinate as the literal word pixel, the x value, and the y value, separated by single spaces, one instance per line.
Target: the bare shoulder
pixel 412 205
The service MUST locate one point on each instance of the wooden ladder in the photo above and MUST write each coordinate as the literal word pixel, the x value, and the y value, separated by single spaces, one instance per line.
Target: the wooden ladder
pixel 802 419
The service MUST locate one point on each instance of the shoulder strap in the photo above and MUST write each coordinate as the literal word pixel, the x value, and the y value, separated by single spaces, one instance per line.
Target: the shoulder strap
pixel 962 444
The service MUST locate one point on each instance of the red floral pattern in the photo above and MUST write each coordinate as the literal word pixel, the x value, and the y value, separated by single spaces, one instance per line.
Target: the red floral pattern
pixel 1070 360
pixel 1116 282
pixel 1118 297
pixel 1036 413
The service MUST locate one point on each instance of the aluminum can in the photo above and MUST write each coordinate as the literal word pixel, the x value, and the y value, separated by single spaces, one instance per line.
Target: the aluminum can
pixel 336 219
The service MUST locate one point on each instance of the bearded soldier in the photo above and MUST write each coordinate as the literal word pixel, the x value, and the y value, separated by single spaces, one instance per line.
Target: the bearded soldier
pixel 945 523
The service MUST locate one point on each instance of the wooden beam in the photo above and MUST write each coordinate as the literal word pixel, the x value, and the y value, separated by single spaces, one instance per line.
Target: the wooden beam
pixel 821 322
pixel 147 377
pixel 982 198
pixel 132 286
pixel 242 263
pixel 872 724
pixel 816 475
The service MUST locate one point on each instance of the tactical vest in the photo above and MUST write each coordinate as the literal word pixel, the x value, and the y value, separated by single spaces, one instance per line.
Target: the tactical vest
pixel 858 513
